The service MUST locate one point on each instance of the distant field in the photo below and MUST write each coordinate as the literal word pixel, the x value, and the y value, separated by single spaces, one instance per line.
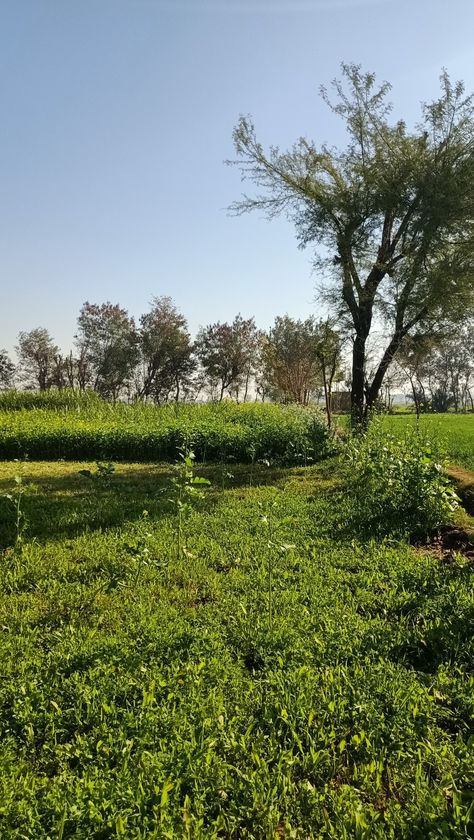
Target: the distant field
pixel 454 431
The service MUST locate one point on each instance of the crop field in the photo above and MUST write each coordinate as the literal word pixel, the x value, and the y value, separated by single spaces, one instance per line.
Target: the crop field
pixel 454 431
pixel 92 429
pixel 274 677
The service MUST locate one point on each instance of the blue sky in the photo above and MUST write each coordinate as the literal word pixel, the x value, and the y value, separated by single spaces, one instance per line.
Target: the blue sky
pixel 117 116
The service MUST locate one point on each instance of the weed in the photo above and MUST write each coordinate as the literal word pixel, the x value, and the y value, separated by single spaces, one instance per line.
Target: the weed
pixel 102 477
pixel 16 498
pixel 397 485
pixel 186 490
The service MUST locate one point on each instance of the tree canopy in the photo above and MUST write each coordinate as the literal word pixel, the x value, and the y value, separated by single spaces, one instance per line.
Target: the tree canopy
pixel 393 212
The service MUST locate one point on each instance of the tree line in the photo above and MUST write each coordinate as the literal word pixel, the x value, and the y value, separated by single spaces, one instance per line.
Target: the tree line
pixel 156 360
pixel 391 220
pixel 299 361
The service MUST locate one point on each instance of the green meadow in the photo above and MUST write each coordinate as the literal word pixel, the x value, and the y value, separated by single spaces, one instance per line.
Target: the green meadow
pixel 271 675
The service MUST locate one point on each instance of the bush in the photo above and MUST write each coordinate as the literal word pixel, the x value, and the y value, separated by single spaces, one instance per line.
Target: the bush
pixel 397 484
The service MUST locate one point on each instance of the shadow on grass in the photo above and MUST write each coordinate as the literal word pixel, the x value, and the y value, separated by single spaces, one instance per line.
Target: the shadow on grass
pixel 68 504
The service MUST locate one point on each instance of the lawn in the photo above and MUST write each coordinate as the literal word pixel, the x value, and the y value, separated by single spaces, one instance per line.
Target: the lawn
pixel 277 678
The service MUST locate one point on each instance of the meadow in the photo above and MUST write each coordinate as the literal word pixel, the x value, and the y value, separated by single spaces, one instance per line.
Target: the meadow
pixel 241 667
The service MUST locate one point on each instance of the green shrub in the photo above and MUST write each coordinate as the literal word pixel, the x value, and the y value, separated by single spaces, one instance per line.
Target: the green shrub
pixel 397 484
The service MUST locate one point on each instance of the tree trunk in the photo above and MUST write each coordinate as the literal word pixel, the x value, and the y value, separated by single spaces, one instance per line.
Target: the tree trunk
pixel 357 389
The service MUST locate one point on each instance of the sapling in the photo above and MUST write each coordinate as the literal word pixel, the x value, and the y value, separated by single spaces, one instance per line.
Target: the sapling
pixel 102 475
pixel 185 492
pixel 15 497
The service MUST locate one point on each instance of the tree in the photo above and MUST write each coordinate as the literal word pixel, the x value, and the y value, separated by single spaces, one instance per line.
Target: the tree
pixel 394 212
pixel 7 370
pixel 413 358
pixel 36 354
pixel 108 347
pixel 227 354
pixel 440 369
pixel 166 352
pixel 300 358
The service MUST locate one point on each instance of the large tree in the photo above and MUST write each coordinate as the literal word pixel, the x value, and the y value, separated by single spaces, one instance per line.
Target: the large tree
pixel 289 359
pixel 227 354
pixel 393 212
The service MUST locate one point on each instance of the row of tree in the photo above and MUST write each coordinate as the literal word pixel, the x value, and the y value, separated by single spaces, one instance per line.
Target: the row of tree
pixel 440 373
pixel 295 361
pixel 156 360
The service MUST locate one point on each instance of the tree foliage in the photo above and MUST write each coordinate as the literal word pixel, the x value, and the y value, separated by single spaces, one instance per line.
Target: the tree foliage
pixel 394 211
pixel 166 352
pixel 300 359
pixel 7 370
pixel 36 358
pixel 228 354
pixel 108 347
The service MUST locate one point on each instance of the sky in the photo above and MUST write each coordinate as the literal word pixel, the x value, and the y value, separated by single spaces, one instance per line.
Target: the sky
pixel 117 117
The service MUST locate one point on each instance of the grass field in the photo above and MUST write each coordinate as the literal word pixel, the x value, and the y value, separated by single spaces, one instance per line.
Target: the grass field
pixel 455 432
pixel 276 679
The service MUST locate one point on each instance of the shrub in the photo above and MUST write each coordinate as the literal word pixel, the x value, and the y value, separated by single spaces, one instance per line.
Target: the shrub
pixel 397 484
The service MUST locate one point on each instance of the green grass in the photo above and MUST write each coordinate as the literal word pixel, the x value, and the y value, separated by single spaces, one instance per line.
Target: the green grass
pixel 454 431
pixel 277 680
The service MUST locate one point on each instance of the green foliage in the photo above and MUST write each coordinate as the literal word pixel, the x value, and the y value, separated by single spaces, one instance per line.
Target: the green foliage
pixel 283 434
pixel 453 432
pixel 101 476
pixel 393 208
pixel 54 400
pixel 158 704
pixel 186 490
pixel 15 498
pixel 397 484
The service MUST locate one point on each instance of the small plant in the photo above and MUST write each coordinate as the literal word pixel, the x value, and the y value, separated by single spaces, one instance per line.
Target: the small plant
pixel 102 477
pixel 186 490
pixel 269 519
pixel 15 497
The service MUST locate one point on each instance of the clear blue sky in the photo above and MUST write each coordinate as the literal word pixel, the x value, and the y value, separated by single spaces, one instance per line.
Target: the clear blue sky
pixel 117 116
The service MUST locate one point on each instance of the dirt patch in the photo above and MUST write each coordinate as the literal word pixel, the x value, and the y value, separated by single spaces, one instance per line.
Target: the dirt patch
pixel 463 480
pixel 452 544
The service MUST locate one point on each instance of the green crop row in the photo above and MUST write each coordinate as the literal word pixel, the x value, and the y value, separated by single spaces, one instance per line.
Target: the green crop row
pixel 245 433
pixel 13 400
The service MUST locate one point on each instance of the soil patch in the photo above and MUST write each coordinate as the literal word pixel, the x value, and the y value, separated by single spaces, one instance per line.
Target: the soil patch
pixel 464 483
